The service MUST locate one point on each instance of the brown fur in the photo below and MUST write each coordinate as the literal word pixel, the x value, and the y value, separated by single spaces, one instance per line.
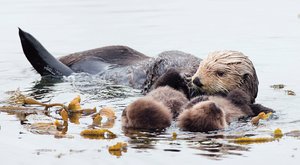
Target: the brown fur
pixel 169 97
pixel 146 113
pixel 224 71
pixel 208 113
pixel 155 110
pixel 204 116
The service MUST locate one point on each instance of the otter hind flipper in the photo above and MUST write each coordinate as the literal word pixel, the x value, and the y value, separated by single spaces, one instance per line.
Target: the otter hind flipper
pixel 41 60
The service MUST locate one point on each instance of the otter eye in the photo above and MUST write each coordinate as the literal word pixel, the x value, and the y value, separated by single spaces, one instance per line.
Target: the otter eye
pixel 220 73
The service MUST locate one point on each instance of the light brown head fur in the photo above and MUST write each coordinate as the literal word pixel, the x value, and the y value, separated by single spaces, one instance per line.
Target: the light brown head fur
pixel 224 71
pixel 204 116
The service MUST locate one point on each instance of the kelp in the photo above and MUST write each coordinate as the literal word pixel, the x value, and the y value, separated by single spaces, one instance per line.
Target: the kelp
pixel 277 134
pixel 117 149
pixel 53 128
pixel 106 112
pixel 98 134
pixel 74 105
pixel 261 116
pixel 277 86
pixel 290 92
pixel 281 86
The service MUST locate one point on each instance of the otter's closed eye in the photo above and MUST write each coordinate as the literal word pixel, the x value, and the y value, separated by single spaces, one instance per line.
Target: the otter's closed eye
pixel 220 73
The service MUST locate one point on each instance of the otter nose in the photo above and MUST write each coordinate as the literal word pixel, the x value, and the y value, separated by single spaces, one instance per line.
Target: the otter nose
pixel 197 82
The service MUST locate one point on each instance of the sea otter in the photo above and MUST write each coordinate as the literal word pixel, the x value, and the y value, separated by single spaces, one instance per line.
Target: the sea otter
pixel 210 113
pixel 155 110
pixel 219 73
pixel 224 71
pixel 119 64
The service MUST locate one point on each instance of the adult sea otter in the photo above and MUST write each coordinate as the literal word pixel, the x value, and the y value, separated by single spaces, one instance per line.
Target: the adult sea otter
pixel 120 64
pixel 219 73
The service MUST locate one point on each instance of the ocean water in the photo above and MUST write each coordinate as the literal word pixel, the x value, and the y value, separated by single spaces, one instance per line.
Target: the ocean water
pixel 266 31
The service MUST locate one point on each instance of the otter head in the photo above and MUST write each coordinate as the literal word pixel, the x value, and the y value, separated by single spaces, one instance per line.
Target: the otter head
pixel 224 71
pixel 204 116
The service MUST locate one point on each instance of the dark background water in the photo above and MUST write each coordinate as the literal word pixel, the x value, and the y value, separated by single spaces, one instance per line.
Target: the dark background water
pixel 268 31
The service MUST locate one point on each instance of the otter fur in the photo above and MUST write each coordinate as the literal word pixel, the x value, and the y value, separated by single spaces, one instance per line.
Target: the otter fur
pixel 223 71
pixel 155 110
pixel 158 107
pixel 210 113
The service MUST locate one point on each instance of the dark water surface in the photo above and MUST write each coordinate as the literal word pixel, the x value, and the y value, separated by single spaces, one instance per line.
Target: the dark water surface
pixel 268 31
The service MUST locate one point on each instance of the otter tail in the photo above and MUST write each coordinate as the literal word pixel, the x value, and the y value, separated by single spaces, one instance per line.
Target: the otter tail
pixel 41 60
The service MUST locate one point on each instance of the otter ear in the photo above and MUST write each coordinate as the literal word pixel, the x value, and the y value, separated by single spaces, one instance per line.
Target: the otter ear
pixel 250 83
pixel 246 76
pixel 238 97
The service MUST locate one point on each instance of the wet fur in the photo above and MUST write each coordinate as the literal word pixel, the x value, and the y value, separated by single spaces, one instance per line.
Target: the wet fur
pixel 223 71
pixel 155 110
pixel 146 113
pixel 209 113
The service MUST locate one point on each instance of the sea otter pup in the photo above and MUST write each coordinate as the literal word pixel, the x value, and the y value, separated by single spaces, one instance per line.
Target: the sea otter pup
pixel 210 113
pixel 155 110
pixel 224 71
pixel 158 107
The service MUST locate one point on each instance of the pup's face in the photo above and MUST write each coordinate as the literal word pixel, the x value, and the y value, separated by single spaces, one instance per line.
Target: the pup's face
pixel 224 71
pixel 203 117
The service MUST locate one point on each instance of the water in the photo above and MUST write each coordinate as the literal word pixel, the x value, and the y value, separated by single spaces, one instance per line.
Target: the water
pixel 267 31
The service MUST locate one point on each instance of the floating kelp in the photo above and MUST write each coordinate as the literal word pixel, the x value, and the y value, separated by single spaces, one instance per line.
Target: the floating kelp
pixel 97 120
pixel 277 86
pixel 249 140
pixel 281 86
pixel 55 128
pixel 16 97
pixel 74 105
pixel 260 116
pixel 98 134
pixel 277 134
pixel 174 136
pixel 109 114
pixel 64 115
pixel 43 128
pixel 117 149
pixel 290 92
pixel 19 108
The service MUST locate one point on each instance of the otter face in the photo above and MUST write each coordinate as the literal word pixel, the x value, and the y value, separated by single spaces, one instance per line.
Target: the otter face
pixel 224 71
pixel 204 116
